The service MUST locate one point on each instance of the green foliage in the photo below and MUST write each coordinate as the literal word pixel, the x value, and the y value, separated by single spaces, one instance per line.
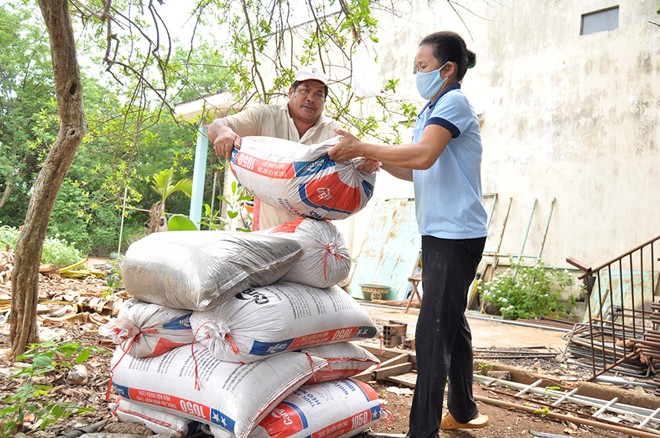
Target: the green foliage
pixel 55 251
pixel 45 362
pixel 130 136
pixel 198 74
pixel 25 86
pixel 8 237
pixel 59 252
pixel 529 292
pixel 163 183
pixel 70 217
pixel 237 202
pixel 123 147
pixel 484 368
pixel 179 222
pixel 409 112
pixel 257 51
pixel 113 279
pixel 542 412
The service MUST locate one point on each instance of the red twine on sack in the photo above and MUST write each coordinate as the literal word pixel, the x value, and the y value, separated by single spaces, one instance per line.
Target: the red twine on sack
pixel 232 344
pixel 311 363
pixel 114 411
pixel 387 416
pixel 198 383
pixel 329 250
pixel 112 370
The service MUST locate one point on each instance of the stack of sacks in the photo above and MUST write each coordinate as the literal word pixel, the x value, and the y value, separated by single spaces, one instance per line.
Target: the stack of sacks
pixel 169 276
pixel 309 314
pixel 254 343
pixel 189 382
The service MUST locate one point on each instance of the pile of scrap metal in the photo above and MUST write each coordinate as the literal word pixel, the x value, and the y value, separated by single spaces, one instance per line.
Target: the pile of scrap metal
pixel 649 345
pixel 621 328
pixel 604 345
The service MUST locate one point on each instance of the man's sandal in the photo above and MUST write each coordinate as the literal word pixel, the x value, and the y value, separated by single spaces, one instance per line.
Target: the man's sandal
pixel 449 423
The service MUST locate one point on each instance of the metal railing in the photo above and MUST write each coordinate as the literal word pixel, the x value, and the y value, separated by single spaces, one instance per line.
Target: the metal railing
pixel 620 324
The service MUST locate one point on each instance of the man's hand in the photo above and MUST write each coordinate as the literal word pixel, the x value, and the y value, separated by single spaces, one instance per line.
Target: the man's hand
pixel 224 138
pixel 369 166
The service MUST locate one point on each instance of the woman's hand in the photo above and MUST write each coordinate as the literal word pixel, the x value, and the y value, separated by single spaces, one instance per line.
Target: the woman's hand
pixel 347 149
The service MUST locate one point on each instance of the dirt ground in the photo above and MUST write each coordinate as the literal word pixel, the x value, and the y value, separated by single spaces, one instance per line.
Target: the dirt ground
pixel 502 422
pixel 396 398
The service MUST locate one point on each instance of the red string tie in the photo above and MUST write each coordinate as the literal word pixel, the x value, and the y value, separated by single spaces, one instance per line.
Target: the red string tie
pixel 329 249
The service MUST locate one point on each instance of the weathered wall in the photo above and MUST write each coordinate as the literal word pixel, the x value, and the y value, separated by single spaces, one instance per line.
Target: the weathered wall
pixel 566 117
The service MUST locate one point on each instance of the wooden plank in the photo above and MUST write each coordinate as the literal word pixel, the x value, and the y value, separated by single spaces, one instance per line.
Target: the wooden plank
pixel 385 354
pixel 382 373
pixel 365 376
pixel 381 353
pixel 407 379
pixel 402 358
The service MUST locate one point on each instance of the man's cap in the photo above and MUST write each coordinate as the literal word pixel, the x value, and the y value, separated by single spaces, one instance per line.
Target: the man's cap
pixel 311 74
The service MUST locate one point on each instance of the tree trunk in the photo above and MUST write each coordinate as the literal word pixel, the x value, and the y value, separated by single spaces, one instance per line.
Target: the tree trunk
pixel 6 192
pixel 69 95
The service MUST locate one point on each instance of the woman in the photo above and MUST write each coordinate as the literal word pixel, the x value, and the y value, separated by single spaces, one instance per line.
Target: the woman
pixel 444 163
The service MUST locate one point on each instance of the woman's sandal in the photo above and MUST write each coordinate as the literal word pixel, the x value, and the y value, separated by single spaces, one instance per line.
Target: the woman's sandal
pixel 449 423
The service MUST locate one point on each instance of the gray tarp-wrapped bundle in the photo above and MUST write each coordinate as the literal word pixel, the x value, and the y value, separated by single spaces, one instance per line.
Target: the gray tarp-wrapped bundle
pixel 197 270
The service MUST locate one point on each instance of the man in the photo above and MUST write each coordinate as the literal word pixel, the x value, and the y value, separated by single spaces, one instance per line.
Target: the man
pixel 300 119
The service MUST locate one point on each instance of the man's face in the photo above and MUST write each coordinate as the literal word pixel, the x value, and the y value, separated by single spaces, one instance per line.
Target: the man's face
pixel 306 102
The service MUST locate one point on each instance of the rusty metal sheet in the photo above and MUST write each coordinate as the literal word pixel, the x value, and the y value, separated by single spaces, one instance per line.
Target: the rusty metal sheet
pixel 390 249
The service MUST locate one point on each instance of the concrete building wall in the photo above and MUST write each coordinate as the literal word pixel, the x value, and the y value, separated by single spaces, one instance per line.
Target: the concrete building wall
pixel 564 116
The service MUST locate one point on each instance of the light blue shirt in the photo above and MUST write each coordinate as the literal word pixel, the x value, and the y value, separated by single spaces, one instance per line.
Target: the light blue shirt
pixel 448 194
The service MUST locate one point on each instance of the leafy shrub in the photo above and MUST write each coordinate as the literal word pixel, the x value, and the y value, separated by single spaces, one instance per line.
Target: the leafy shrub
pixel 239 212
pixel 56 251
pixel 86 218
pixel 8 236
pixel 45 362
pixel 71 215
pixel 114 278
pixel 529 292
pixel 59 252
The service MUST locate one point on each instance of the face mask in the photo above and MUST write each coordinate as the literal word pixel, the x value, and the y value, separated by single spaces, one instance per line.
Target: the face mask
pixel 430 82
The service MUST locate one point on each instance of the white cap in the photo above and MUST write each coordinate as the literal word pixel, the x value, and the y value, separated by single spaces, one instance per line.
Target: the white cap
pixel 311 74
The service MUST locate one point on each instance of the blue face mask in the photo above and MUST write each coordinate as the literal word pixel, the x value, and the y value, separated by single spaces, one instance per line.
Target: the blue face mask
pixel 430 82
